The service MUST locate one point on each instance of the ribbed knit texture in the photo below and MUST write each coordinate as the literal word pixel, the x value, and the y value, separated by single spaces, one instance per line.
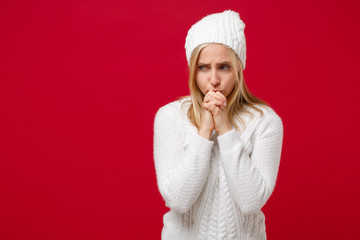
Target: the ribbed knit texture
pixel 215 188
pixel 226 28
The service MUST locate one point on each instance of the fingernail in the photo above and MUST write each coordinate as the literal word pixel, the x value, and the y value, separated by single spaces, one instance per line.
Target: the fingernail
pixel 225 104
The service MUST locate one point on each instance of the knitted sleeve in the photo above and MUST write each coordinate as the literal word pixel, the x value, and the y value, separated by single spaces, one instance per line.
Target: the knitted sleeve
pixel 251 176
pixel 181 172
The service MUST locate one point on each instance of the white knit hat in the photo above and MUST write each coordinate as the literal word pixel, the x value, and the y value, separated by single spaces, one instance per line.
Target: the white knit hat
pixel 226 28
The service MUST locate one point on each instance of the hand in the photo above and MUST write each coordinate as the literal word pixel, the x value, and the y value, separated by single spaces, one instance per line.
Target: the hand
pixel 216 102
pixel 207 124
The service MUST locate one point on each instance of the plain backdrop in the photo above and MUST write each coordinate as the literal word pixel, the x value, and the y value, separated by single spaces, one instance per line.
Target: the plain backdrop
pixel 81 81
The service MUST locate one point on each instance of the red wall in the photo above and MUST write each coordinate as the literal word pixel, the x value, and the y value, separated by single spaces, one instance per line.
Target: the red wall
pixel 81 81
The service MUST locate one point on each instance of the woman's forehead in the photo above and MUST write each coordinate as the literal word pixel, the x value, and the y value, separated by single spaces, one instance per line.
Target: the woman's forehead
pixel 214 52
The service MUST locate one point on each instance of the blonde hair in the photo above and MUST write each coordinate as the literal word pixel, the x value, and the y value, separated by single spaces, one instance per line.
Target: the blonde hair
pixel 236 100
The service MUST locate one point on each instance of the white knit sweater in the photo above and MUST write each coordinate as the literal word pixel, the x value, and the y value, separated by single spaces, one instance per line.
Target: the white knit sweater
pixel 215 188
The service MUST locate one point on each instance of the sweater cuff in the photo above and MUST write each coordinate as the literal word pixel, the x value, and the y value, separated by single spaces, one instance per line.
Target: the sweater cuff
pixel 228 140
pixel 201 145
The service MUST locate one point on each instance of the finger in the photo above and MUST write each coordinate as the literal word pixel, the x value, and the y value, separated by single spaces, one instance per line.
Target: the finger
pixel 206 106
pixel 216 102
pixel 223 107
pixel 221 95
pixel 217 95
pixel 210 107
pixel 222 98
pixel 208 96
pixel 219 98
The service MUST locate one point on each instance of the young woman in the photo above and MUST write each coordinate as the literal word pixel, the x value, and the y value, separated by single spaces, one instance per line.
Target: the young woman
pixel 217 151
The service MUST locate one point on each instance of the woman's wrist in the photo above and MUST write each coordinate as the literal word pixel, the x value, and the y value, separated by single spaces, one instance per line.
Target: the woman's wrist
pixel 224 130
pixel 204 133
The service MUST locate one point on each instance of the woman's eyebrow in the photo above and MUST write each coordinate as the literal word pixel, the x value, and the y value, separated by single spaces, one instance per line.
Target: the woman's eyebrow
pixel 221 63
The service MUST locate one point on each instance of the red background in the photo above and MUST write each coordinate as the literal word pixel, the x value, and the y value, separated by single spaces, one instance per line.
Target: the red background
pixel 81 82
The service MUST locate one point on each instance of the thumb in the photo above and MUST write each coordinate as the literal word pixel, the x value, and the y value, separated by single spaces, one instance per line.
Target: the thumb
pixel 223 107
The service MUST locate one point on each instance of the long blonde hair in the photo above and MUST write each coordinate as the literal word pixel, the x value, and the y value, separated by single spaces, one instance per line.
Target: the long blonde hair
pixel 236 100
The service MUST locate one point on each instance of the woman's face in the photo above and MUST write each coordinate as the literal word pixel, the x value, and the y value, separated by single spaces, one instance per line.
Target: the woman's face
pixel 214 70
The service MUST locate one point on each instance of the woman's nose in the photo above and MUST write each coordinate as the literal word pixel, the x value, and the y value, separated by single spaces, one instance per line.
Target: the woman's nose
pixel 214 79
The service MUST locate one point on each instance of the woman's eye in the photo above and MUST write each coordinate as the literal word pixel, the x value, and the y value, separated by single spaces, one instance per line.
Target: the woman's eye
pixel 224 67
pixel 201 67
